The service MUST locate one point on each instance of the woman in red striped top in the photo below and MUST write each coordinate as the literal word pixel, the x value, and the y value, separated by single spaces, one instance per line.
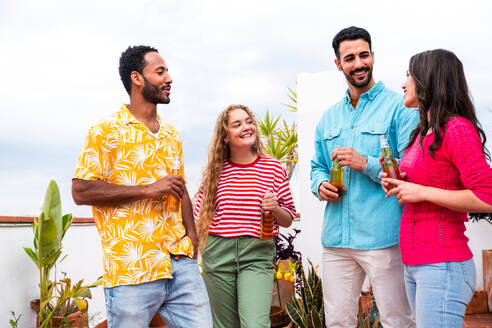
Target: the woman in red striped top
pixel 240 182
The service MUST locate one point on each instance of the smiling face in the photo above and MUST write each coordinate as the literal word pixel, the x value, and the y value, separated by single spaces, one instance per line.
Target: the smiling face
pixel 409 94
pixel 356 61
pixel 241 131
pixel 157 82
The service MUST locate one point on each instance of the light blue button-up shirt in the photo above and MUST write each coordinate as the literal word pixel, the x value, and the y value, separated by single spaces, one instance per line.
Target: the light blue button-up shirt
pixel 363 218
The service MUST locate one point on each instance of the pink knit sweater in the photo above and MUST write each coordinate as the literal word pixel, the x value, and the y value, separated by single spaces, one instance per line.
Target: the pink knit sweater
pixel 430 233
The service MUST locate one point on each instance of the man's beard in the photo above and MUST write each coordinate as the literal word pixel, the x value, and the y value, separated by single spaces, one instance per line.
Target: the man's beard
pixel 361 84
pixel 153 94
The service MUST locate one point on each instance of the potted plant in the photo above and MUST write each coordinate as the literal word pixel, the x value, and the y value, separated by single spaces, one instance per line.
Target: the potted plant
pixel 307 309
pixel 60 303
pixel 288 263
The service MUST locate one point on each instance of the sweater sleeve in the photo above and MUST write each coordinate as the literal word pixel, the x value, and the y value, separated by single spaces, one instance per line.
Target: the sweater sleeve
pixel 464 148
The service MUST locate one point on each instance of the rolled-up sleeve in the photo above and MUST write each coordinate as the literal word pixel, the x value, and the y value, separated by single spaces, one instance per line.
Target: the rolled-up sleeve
pixel 319 167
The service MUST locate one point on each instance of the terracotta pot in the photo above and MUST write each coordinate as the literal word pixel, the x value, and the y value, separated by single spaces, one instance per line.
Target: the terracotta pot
pixel 78 319
pixel 283 290
pixel 156 322
pixel 487 275
pixel 364 306
pixel 278 317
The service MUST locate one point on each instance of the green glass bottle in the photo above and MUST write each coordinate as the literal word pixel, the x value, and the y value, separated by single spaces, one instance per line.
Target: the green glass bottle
pixel 389 164
pixel 336 175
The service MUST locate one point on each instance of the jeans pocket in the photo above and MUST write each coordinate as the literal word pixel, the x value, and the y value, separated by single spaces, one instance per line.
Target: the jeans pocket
pixel 469 274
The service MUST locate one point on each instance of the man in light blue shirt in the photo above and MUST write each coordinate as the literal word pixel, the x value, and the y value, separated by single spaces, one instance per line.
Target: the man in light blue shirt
pixel 360 227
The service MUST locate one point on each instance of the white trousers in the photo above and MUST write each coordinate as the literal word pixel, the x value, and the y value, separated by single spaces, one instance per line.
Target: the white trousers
pixel 344 271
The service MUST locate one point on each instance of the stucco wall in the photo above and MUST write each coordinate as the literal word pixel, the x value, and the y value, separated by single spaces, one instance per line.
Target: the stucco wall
pixel 19 278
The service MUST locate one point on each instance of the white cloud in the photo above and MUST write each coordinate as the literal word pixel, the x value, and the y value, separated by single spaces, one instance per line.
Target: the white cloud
pixel 59 66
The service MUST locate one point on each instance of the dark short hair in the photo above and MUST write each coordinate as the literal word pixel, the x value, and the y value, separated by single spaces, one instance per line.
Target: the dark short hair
pixel 132 59
pixel 350 33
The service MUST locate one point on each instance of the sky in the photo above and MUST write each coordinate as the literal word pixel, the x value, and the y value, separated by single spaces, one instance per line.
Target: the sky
pixel 59 62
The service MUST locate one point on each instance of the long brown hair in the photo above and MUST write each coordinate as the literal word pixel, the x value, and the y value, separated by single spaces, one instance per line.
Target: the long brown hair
pixel 217 154
pixel 442 93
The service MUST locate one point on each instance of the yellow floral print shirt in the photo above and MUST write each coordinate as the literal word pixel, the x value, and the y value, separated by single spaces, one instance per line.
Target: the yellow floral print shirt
pixel 136 237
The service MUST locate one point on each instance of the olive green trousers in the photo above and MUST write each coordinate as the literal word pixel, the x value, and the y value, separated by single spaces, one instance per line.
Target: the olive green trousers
pixel 238 274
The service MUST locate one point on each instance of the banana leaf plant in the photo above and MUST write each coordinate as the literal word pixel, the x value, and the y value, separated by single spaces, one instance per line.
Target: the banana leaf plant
pixel 307 310
pixel 49 230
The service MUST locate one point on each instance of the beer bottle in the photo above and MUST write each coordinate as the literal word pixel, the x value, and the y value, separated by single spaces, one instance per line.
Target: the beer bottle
pixel 172 202
pixel 266 223
pixel 389 164
pixel 336 175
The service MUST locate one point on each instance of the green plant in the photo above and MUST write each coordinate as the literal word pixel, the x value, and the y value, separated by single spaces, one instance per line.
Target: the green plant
pixel 475 217
pixel 280 139
pixel 55 297
pixel 307 310
pixel 15 320
pixel 293 97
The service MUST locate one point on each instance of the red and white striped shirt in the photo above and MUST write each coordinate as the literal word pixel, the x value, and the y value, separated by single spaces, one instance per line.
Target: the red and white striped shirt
pixel 239 193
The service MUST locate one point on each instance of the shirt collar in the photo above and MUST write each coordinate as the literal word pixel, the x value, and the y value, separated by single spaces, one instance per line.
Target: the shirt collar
pixel 127 117
pixel 370 94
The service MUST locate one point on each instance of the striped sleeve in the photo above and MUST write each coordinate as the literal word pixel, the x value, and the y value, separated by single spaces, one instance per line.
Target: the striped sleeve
pixel 284 195
pixel 198 204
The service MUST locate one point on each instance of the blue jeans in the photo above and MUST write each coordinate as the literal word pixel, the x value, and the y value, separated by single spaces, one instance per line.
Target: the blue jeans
pixel 182 301
pixel 439 292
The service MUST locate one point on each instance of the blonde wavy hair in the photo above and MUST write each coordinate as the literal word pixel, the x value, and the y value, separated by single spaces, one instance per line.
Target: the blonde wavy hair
pixel 217 154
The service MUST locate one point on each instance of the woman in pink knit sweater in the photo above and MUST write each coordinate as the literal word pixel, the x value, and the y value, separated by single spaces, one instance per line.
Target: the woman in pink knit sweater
pixel 447 175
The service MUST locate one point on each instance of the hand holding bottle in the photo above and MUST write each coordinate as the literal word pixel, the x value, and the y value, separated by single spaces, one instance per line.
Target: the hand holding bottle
pixel 336 176
pixel 268 205
pixel 172 202
pixel 384 183
pixel 329 192
pixel 269 201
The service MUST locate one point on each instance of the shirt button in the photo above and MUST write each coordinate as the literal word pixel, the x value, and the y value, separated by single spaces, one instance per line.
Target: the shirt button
pixel 347 170
pixel 352 127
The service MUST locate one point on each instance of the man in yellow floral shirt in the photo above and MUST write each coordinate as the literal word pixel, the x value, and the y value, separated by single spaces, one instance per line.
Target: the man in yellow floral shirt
pixel 124 172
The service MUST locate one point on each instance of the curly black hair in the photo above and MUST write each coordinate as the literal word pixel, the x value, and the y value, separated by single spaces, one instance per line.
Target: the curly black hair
pixel 132 59
pixel 350 33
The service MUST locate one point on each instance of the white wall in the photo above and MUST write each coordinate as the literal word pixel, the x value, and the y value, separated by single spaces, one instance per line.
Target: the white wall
pixel 19 277
pixel 315 93
pixel 480 234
